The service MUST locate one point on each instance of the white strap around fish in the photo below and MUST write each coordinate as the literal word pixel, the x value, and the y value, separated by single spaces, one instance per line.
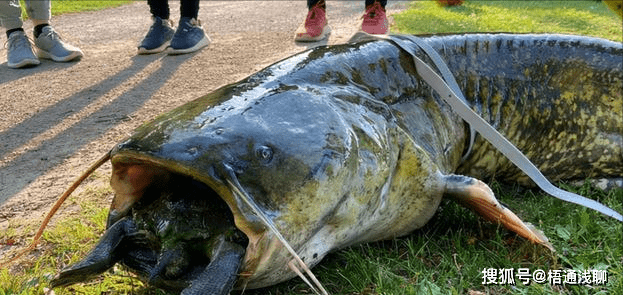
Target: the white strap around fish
pixel 449 91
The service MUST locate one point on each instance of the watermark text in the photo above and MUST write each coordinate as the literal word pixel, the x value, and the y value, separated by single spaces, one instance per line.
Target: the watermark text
pixel 555 277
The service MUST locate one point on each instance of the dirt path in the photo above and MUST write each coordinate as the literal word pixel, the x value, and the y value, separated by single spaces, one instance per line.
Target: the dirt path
pixel 58 118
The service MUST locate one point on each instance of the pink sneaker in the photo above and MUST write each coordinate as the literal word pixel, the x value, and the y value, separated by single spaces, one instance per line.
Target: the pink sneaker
pixel 374 20
pixel 315 27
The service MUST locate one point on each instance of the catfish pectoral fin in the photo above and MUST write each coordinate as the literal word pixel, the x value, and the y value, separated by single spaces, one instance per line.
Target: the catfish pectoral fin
pixel 477 196
pixel 101 258
pixel 219 276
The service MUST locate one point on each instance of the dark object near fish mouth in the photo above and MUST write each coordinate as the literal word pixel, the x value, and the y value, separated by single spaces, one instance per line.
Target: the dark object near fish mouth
pixel 178 235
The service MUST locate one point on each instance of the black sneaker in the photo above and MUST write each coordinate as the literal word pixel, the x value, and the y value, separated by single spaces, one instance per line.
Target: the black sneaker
pixel 188 38
pixel 158 37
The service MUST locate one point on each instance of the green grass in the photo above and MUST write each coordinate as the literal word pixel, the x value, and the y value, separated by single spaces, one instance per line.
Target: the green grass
pixel 590 18
pixel 73 6
pixel 63 244
pixel 449 253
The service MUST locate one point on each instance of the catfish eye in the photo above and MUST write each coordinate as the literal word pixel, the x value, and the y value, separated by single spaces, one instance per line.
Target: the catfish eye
pixel 264 153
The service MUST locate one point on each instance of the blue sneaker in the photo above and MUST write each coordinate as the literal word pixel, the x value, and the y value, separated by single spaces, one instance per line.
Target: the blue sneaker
pixel 188 38
pixel 158 37
pixel 19 51
pixel 51 46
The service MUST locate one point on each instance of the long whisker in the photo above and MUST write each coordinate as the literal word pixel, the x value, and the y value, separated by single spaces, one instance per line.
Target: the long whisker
pixel 232 180
pixel 295 269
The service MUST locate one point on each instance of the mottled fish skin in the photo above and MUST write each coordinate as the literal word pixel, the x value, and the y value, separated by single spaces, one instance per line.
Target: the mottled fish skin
pixel 557 98
pixel 345 144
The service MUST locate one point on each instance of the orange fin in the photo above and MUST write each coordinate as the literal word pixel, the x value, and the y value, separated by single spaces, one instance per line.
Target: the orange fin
pixel 477 196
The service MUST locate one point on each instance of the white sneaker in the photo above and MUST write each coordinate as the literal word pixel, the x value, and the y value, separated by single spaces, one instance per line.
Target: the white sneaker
pixel 51 46
pixel 19 52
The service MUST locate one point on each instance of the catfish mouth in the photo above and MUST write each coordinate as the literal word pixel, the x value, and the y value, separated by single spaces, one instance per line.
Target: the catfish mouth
pixel 136 179
pixel 184 215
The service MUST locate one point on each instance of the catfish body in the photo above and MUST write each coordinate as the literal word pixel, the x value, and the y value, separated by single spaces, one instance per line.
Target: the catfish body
pixel 346 144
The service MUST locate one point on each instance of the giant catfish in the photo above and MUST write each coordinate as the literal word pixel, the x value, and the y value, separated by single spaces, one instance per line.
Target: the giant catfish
pixel 347 144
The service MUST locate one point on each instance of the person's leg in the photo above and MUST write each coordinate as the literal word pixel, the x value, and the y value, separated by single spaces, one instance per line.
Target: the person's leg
pixel 48 42
pixel 19 50
pixel 382 2
pixel 40 12
pixel 189 8
pixel 189 36
pixel 160 33
pixel 10 16
pixel 374 19
pixel 315 26
pixel 311 3
pixel 159 8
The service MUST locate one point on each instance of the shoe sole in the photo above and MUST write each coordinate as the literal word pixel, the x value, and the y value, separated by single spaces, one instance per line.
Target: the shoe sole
pixel 163 47
pixel 46 55
pixel 201 44
pixel 306 38
pixel 373 34
pixel 24 63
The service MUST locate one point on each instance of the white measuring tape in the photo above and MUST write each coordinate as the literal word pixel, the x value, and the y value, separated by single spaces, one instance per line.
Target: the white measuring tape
pixel 450 92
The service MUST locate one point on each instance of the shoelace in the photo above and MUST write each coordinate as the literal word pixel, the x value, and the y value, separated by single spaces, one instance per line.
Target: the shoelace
pixel 51 34
pixel 19 43
pixel 154 27
pixel 188 25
